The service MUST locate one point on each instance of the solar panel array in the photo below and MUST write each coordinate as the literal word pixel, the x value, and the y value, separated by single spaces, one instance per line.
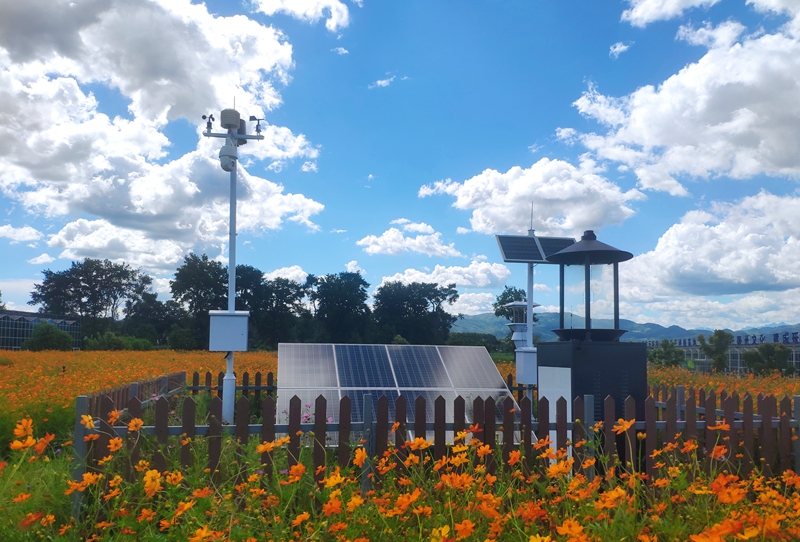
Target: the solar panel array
pixel 530 248
pixel 353 370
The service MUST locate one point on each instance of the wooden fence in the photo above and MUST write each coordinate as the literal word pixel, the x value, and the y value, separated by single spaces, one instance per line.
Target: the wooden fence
pixel 270 386
pixel 146 390
pixel 769 438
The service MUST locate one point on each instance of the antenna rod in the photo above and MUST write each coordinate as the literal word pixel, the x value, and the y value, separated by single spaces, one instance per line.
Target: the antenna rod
pixel 531 214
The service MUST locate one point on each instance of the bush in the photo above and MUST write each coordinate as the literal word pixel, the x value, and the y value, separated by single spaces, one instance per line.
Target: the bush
pixel 48 337
pixel 110 341
pixel 181 338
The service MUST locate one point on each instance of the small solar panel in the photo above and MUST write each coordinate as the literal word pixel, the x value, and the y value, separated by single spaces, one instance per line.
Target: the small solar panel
pixel 418 367
pixel 364 366
pixel 551 245
pixel 519 248
pixel 471 367
pixel 306 365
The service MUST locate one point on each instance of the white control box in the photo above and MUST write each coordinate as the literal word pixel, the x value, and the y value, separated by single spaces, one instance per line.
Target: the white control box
pixel 228 331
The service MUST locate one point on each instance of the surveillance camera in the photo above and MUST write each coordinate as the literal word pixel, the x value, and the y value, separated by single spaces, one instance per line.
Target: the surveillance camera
pixel 227 157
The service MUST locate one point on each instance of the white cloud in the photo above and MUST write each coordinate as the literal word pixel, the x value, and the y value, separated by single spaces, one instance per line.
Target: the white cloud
pixel 617 49
pixel 338 231
pixel 340 51
pixel 477 274
pixel 42 258
pixel 294 272
pixel 100 239
pixel 17 293
pixel 335 12
pixel 394 242
pixel 309 167
pixel 25 233
pixel 472 303
pixel 74 160
pixel 416 227
pixel 353 267
pixel 566 199
pixel 732 113
pixel 382 82
pixel 722 36
pixel 643 12
pixel 731 249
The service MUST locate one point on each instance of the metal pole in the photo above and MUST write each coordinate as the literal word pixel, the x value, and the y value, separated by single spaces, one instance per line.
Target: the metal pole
pixel 229 382
pixel 529 315
pixel 587 278
pixel 616 295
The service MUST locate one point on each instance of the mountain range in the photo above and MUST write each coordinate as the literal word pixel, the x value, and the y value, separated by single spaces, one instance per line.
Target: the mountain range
pixel 489 323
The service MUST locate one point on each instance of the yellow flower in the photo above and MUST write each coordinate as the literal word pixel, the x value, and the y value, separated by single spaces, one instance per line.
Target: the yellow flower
pixel 87 421
pixel 622 426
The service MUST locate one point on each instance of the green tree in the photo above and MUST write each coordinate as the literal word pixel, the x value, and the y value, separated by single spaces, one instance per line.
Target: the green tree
pixel 487 340
pixel 340 307
pixel 716 348
pixel 769 357
pixel 666 355
pixel 2 305
pixel 48 337
pixel 90 289
pixel 415 311
pixel 201 284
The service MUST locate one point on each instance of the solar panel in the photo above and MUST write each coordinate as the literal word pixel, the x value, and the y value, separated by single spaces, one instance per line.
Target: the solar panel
pixel 357 402
pixel 471 367
pixel 418 367
pixel 306 366
pixel 364 366
pixel 519 248
pixel 551 245
pixel 353 370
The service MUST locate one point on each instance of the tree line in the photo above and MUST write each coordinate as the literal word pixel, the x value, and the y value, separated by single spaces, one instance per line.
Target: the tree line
pixel 117 305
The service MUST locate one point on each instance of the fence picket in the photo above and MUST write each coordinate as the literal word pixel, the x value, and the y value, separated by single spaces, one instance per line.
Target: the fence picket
pixel 214 437
pixel 320 435
pixel 162 433
pixel 188 430
pixel 747 435
pixel 439 420
pixel 561 422
pixel 508 430
pixel 382 426
pixel 610 442
pixel 489 432
pixel 650 437
pixel 785 435
pixel 294 430
pixel 526 432
pixel 401 434
pixel 630 434
pixel 420 418
pixel 268 411
pixel 133 444
pixel 344 431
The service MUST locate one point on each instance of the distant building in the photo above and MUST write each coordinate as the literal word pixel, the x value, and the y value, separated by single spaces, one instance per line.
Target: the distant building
pixel 741 344
pixel 17 326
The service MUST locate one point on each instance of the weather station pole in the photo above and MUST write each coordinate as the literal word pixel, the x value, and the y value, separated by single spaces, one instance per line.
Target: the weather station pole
pixel 228 329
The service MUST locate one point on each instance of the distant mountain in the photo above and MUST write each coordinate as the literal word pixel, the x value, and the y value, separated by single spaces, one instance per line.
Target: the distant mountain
pixel 489 323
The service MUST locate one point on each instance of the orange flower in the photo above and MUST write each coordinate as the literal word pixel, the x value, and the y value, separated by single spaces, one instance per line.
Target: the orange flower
pixel 43 442
pixel 87 421
pixel 22 497
pixel 23 444
pixel 514 457
pixel 115 444
pixel 30 519
pixel 484 450
pixel 570 527
pixel 152 482
pixel 113 416
pixel 200 493
pixel 333 506
pixel 560 468
pixel 24 428
pixel 146 515
pixel 354 502
pixel 300 519
pixel 360 458
pixel 203 534
pixel 623 425
pixel 464 529
pixel 718 452
pixel 135 424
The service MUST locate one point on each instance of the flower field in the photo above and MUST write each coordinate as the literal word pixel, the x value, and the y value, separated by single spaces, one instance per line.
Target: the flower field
pixel 549 496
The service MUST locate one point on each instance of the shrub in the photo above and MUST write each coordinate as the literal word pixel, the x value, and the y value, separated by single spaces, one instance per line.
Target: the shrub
pixel 48 337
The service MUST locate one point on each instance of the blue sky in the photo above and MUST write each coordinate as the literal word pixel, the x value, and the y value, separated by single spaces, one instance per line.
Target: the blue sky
pixel 402 136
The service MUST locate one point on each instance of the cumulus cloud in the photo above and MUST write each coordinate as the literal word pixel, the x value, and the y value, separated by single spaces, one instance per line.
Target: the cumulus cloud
pixel 42 258
pixel 394 241
pixel 335 13
pixel 294 272
pixel 732 113
pixel 567 199
pixel 477 274
pixel 729 249
pixel 416 227
pixel 340 51
pixel 644 12
pixel 25 233
pixel 66 157
pixel 353 267
pixel 382 82
pixel 617 49
pixel 472 303
pixel 17 293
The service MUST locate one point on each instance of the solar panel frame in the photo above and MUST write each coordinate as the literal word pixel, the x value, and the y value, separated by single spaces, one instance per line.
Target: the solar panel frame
pixel 520 248
pixel 470 371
